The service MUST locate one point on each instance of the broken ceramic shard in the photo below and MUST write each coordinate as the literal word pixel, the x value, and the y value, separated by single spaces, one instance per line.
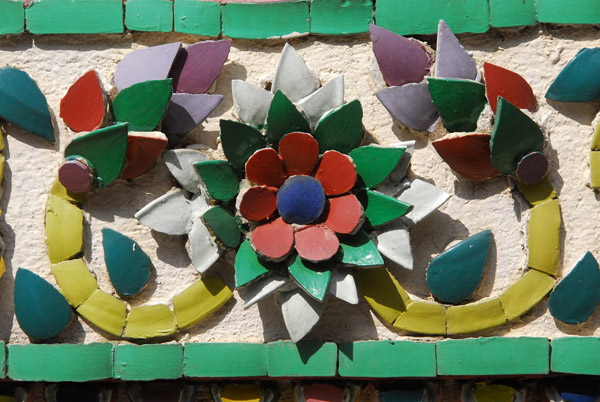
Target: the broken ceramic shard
pixel 336 172
pixel 251 103
pixel 509 85
pixel 342 285
pixel 424 197
pixel 153 63
pixel 577 295
pixel 180 163
pixel 300 313
pixel 169 213
pixel 300 153
pixel 64 229
pixel 316 243
pixel 359 250
pixel 76 281
pixel 76 175
pixel 248 266
pixel 273 240
pixel 395 183
pixel 23 104
pixel 83 108
pixel 487 392
pixel 383 292
pixel 411 105
pixel 341 130
pixel 262 288
pixel 459 102
pixel 374 163
pixel 283 118
pixel 249 392
pixel 292 76
pixel 452 61
pixel 258 203
pixel 41 311
pixel 198 65
pixel 401 60
pixel 143 149
pixel 575 388
pixel 578 81
pixel 200 300
pixel 320 392
pixel 219 179
pixel 453 275
pixel 394 243
pixel 127 264
pixel 185 112
pixel 326 98
pixel 150 321
pixel 468 155
pixel 106 312
pixel 345 214
pixel 381 208
pixel 201 247
pixel 143 105
pixel 223 226
pixel 301 200
pixel 239 142
pixel 532 168
pixel 313 278
pixel 265 168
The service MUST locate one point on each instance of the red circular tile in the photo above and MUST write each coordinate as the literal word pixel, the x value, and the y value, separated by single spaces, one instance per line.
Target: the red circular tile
pixel 83 107
pixel 273 240
pixel 316 243
pixel 258 203
pixel 345 214
pixel 532 168
pixel 75 177
pixel 336 173
pixel 300 152
pixel 265 168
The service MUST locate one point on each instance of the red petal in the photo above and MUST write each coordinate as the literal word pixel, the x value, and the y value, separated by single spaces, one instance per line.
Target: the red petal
pixel 468 155
pixel 509 85
pixel 345 214
pixel 300 152
pixel 258 203
pixel 265 168
pixel 83 107
pixel 143 149
pixel 336 173
pixel 273 240
pixel 323 393
pixel 316 243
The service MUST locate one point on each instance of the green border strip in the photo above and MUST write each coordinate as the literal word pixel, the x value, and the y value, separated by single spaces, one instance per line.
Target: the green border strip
pixel 278 19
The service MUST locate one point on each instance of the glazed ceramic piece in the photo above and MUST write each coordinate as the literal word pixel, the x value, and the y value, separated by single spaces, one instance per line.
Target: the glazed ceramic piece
pixel 274 240
pixel 153 63
pixel 265 168
pixel 169 213
pixel 23 104
pixel 143 149
pixel 411 105
pixel 248 266
pixel 300 153
pixel 239 142
pixel 489 392
pixel 538 193
pixel 316 243
pixel 300 313
pixel 200 300
pixel 424 198
pixel 248 392
pixel 64 229
pixel 127 265
pixel 578 82
pixel 219 179
pixel 454 274
pixel 595 169
pixel 359 250
pixel 336 172
pixel 76 175
pixel 258 203
pixel 76 281
pixel 543 237
pixel 381 208
pixel 283 118
pixel 394 243
pixel 143 105
pixel 221 223
pixel 576 389
pixel 383 292
pixel 374 163
pixel 345 214
pixel 532 168
pixel 150 321
pixel 185 112
pixel 423 318
pixel 577 295
pixel 180 163
pixel 514 136
pixel 83 108
pixel 262 288
pixel 198 65
pixel 395 183
pixel 459 102
pixel 106 312
pixel 310 277
pixel 401 60
pixel 320 392
pixel 342 286
pixel 292 76
pixel 452 61
pixel 509 85
pixel 202 249
pixel 329 96
pixel 525 293
pixel 475 316
pixel 468 155
pixel 300 200
pixel 250 102
pixel 41 311
pixel 341 130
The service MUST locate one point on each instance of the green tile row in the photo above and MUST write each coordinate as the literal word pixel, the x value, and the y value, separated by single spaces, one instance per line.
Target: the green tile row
pixel 281 18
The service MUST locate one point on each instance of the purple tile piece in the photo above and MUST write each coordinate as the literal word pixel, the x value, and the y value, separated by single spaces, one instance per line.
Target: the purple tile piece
pixel 186 112
pixel 452 60
pixel 400 60
pixel 411 105
pixel 153 63
pixel 197 66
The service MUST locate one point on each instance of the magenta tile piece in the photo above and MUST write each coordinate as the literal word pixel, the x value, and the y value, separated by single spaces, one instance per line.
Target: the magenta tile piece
pixel 185 112
pixel 197 66
pixel 153 63
pixel 411 105
pixel 400 60
pixel 452 60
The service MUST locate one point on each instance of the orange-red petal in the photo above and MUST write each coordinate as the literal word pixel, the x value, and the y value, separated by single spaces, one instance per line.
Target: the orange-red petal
pixel 273 240
pixel 300 152
pixel 468 155
pixel 345 214
pixel 336 173
pixel 258 203
pixel 265 168
pixel 316 243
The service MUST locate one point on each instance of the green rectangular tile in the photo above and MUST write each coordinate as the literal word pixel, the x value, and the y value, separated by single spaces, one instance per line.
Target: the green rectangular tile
pixel 149 15
pixel 12 20
pixel 387 359
pixel 2 360
pixel 60 362
pixel 225 360
pixel 265 20
pixel 198 17
pixel 303 359
pixel 512 13
pixel 575 355
pixel 335 17
pixel 571 12
pixel 408 17
pixel 75 16
pixel 148 362
pixel 493 356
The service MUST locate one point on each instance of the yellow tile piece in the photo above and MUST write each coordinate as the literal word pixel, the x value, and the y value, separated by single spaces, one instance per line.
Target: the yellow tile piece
pixel 105 312
pixel 539 192
pixel 64 229
pixel 423 318
pixel 595 169
pixel 2 162
pixel 472 317
pixel 2 266
pixel 383 292
pixel 241 393
pixel 525 293
pixel 199 300
pixel 6 398
pixel 60 191
pixel 76 282
pixel 150 322
pixel 2 140
pixel 595 145
pixel 543 237
pixel 493 393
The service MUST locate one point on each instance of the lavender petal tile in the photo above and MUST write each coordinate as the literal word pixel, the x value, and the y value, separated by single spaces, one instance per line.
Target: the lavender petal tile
pixel 393 241
pixel 424 197
pixel 326 98
pixel 251 102
pixel 400 59
pixel 185 112
pixel 169 213
pixel 395 183
pixel 262 288
pixel 452 60
pixel 292 76
pixel 411 105
pixel 153 63
pixel 342 286
pixel 197 66
pixel 180 163
pixel 202 249
pixel 300 313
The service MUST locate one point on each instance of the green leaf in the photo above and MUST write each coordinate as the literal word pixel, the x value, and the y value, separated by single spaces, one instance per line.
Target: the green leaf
pixel 381 208
pixel 360 250
pixel 313 278
pixel 341 129
pixel 375 163
pixel 239 142
pixel 248 266
pixel 223 226
pixel 143 105
pixel 284 118
pixel 219 178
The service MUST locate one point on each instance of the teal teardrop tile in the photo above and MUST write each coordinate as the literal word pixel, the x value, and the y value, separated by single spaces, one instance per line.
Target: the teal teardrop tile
pixel 579 81
pixel 23 104
pixel 375 163
pixel 359 250
pixel 127 265
pixel 459 102
pixel 248 266
pixel 221 223
pixel 42 312
pixel 239 142
pixel 576 296
pixel 341 130
pixel 284 118
pixel 143 105
pixel 456 273
pixel 313 278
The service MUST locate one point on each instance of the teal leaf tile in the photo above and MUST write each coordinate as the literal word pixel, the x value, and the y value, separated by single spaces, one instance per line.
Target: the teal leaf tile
pixel 248 266
pixel 313 278
pixel 374 163
pixel 284 118
pixel 579 81
pixel 222 224
pixel 341 130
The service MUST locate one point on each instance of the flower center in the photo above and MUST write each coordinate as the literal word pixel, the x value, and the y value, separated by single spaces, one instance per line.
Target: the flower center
pixel 301 200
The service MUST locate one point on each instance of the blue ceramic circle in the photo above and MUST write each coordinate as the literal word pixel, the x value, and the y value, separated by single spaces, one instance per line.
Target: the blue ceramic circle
pixel 301 200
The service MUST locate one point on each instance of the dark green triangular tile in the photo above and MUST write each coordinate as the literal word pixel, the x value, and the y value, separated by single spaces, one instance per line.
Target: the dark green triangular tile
pixel 375 163
pixel 219 178
pixel 284 118
pixel 223 226
pixel 313 278
pixel 381 208
pixel 248 266
pixel 341 129
pixel 143 105
pixel 239 142
pixel 360 250
pixel 459 102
